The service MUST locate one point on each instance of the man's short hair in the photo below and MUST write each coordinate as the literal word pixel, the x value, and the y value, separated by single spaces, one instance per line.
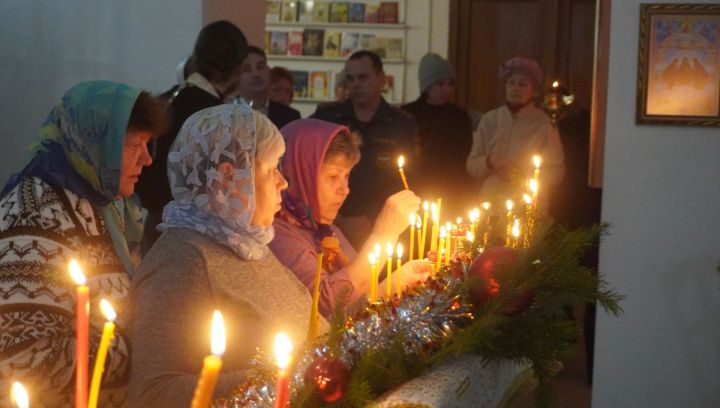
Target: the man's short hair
pixel 252 49
pixel 279 73
pixel 219 49
pixel 374 59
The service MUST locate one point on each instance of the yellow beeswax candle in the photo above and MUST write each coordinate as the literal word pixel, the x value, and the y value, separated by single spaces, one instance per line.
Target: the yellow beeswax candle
pixel 314 310
pixel 211 365
pixel 423 235
pixel 82 334
pixel 435 227
pixel 440 249
pixel 399 254
pixel 412 236
pixel 388 278
pixel 373 277
pixel 108 335
pixel 401 163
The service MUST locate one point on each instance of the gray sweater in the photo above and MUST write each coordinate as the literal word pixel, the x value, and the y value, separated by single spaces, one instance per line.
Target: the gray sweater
pixel 184 277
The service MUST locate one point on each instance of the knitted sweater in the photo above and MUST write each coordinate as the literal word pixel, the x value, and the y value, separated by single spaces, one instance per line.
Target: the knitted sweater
pixel 41 228
pixel 184 277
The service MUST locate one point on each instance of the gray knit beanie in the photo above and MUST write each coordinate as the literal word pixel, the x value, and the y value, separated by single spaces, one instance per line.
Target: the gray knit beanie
pixel 432 69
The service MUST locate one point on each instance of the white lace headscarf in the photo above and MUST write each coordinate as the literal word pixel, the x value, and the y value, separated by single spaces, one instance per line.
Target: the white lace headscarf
pixel 202 199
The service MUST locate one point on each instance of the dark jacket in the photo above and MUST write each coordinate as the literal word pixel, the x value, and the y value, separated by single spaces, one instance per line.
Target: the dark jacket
pixel 153 186
pixel 391 132
pixel 445 134
pixel 281 114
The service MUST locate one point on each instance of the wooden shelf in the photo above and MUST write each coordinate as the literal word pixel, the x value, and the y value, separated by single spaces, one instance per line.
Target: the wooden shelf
pixel 324 59
pixel 400 26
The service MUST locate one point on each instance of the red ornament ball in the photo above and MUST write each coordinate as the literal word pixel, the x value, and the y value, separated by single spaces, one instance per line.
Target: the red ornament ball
pixel 330 376
pixel 484 267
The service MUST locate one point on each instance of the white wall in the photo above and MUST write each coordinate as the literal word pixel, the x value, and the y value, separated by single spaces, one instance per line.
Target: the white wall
pixel 47 46
pixel 662 196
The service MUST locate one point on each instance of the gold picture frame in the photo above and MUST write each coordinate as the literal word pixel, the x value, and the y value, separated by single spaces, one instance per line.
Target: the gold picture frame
pixel 679 65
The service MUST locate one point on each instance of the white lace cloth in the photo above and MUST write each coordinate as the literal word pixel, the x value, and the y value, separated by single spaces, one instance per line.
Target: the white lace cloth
pixel 462 382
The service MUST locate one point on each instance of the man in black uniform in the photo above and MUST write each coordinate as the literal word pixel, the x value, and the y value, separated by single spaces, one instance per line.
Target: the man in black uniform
pixel 387 132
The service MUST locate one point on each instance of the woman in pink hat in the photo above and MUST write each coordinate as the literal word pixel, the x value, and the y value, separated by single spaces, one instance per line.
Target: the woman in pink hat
pixel 508 137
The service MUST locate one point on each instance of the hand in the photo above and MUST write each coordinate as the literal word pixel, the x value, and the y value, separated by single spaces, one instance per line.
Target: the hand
pixel 502 166
pixel 394 216
pixel 412 273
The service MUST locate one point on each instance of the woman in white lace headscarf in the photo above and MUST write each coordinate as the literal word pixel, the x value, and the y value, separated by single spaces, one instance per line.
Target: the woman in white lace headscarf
pixel 213 255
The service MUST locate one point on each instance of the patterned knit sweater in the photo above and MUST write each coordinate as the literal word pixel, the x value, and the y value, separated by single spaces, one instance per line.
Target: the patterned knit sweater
pixel 41 228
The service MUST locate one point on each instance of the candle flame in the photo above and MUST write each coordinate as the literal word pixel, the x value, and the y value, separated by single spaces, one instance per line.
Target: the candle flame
pixel 401 161
pixel 470 236
pixel 527 199
pixel 399 250
pixel 486 205
pixel 419 224
pixel 426 206
pixel 389 249
pixel 217 334
pixel 555 84
pixel 458 220
pixel 533 186
pixel 283 348
pixel 537 161
pixel 20 395
pixel 509 205
pixel 107 310
pixel 76 273
pixel 443 232
pixel 516 228
pixel 434 211
pixel 372 259
pixel 412 219
pixel 377 250
pixel 448 226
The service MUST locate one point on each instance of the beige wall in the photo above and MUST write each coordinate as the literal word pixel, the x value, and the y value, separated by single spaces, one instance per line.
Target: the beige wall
pixel 249 15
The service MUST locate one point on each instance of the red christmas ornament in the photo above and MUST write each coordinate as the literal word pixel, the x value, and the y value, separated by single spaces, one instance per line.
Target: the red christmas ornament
pixel 485 266
pixel 330 377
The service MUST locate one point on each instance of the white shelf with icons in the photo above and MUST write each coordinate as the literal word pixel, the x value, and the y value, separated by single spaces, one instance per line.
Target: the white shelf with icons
pixel 313 39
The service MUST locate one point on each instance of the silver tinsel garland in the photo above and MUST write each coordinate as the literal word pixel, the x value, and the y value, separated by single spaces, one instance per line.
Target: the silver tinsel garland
pixel 420 318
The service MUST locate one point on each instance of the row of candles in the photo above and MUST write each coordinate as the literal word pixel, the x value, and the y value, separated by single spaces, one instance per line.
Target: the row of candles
pixel 443 239
pixel 212 363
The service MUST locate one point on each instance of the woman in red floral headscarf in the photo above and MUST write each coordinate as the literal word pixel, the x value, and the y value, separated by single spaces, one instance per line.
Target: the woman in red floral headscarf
pixel 317 165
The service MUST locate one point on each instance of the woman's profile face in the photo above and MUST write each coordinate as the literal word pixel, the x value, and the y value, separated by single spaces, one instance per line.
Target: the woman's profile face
pixel 518 89
pixel 333 187
pixel 269 182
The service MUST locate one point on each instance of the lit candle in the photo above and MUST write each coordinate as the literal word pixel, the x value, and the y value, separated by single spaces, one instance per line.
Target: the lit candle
pixel 537 161
pixel 528 217
pixel 283 348
pixel 108 335
pixel 423 235
pixel 373 277
pixel 508 229
pixel 314 310
pixel 211 365
pixel 436 224
pixel 20 396
pixel 388 278
pixel 441 248
pixel 399 254
pixel 401 163
pixel 82 327
pixel 516 232
pixel 486 232
pixel 470 236
pixel 412 236
pixel 419 228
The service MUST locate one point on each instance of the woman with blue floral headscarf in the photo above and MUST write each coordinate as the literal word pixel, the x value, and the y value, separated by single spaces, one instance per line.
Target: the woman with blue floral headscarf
pixel 213 254
pixel 74 199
